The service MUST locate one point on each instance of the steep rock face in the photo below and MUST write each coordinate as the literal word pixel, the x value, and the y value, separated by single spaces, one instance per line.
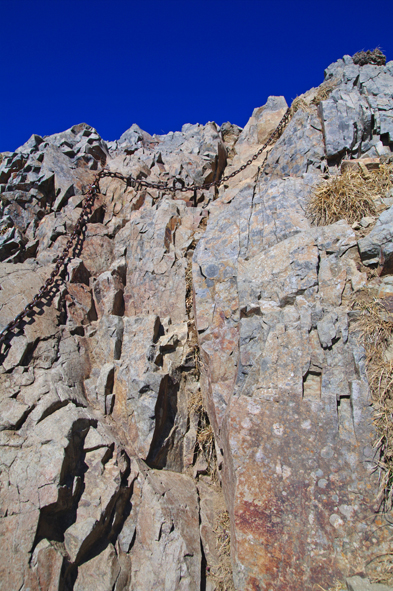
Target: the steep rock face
pixel 104 480
pixel 282 373
pixel 101 373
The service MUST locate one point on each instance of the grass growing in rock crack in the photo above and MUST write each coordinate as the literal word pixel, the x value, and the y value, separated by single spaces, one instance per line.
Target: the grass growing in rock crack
pixel 376 327
pixel 350 195
pixel 222 574
pixel 205 435
pixel 323 92
pixel 339 586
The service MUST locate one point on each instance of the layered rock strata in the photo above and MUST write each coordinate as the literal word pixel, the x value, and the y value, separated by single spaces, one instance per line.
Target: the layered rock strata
pixel 228 295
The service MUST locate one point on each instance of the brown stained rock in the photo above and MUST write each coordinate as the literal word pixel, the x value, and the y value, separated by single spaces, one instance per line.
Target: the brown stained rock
pixel 80 306
pixel 97 254
pixel 357 164
pixel 285 386
pixel 297 493
pixel 277 363
pixel 108 294
pixel 167 551
pixel 19 284
pixel 137 385
pixel 99 573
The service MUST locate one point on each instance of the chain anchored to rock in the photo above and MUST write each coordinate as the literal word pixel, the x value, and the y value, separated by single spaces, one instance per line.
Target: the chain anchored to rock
pixel 89 198
pixel 174 188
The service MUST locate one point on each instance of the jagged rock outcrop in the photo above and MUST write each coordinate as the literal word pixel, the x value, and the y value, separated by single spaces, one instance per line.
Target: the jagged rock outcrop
pixel 231 295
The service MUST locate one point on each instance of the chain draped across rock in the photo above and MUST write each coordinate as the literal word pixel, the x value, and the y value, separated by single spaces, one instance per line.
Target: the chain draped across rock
pixel 94 189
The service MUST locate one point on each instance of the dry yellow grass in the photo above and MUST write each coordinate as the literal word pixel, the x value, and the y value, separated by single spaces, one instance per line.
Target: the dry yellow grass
pixel 376 325
pixel 205 439
pixel 323 92
pixel 339 586
pixel 380 569
pixel 195 403
pixel 222 575
pixel 300 103
pixel 205 434
pixel 349 195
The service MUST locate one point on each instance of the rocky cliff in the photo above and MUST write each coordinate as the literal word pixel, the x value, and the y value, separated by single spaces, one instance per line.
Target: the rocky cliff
pixel 188 407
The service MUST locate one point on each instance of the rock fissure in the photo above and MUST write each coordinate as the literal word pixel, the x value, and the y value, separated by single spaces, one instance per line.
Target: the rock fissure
pixel 195 380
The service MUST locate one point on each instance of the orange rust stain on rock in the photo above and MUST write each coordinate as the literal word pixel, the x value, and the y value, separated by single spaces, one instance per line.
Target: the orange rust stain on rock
pixel 253 584
pixel 264 550
pixel 120 406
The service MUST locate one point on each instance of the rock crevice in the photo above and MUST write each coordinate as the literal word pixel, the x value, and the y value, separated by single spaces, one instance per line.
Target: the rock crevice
pixel 195 376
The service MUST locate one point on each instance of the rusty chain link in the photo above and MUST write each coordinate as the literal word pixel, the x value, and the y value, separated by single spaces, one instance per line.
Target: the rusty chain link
pixel 132 182
pixel 94 189
pixel 88 201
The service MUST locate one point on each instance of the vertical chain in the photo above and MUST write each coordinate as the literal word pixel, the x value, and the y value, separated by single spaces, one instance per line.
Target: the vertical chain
pixel 60 262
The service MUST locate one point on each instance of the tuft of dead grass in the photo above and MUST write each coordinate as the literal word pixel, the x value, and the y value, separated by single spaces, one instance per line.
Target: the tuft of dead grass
pixel 323 92
pixel 380 569
pixel 205 435
pixel 375 57
pixel 205 439
pixel 222 574
pixel 195 403
pixel 349 195
pixel 300 103
pixel 375 322
pixel 338 586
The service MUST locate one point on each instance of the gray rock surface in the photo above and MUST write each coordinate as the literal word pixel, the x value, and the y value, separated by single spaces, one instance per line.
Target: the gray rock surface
pixel 361 584
pixel 111 475
pixel 282 374
pixel 377 247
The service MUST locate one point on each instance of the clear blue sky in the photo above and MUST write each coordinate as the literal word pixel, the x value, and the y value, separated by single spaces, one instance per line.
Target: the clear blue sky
pixel 163 63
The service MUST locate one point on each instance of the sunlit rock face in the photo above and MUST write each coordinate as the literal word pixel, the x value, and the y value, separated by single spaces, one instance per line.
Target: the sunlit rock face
pixel 282 369
pixel 228 296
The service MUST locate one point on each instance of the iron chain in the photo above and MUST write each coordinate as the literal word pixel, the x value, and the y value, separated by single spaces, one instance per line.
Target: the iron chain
pixel 94 189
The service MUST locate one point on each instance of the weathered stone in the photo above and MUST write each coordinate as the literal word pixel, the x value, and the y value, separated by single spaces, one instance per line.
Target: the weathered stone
pixel 355 165
pixel 80 307
pixel 360 584
pixel 275 349
pixel 138 385
pixel 377 247
pixel 99 573
pixel 211 507
pixel 108 294
pixel 19 284
pixel 47 563
pixel 167 552
pixel 347 121
pixel 229 296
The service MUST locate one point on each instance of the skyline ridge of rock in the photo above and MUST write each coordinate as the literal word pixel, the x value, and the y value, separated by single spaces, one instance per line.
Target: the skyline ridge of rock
pixel 198 364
